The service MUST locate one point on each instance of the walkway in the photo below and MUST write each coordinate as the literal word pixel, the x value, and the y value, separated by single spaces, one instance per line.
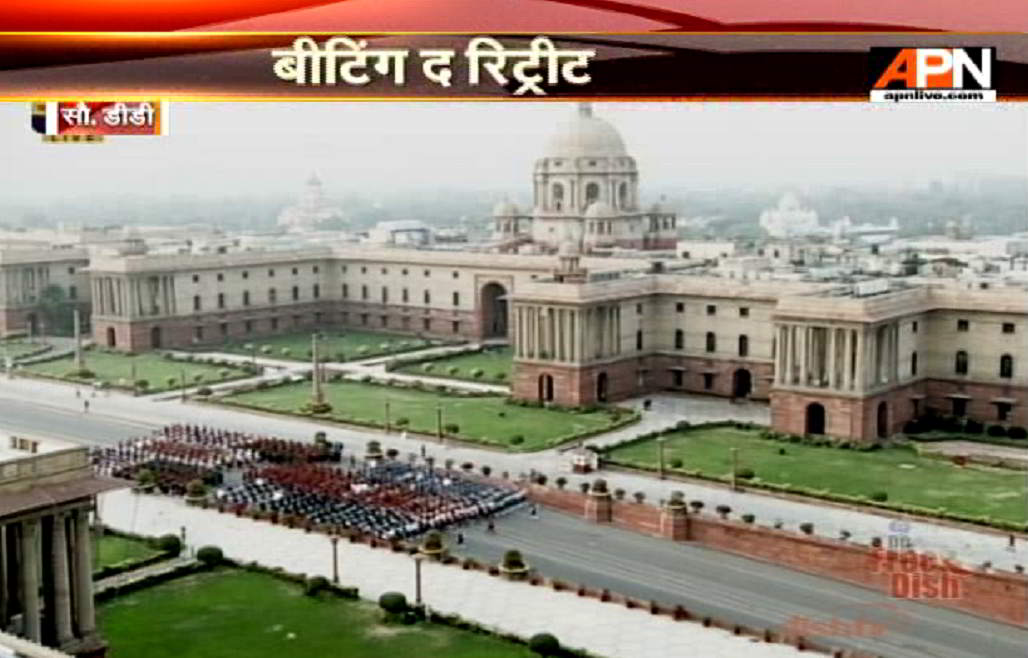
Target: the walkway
pixel 158 568
pixel 518 608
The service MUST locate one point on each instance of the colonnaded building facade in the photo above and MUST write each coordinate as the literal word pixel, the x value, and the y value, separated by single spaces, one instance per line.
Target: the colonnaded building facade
pixel 843 359
pixel 46 566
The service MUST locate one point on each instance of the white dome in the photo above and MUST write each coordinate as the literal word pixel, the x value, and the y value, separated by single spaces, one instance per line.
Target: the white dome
pixel 585 135
pixel 599 210
pixel 505 209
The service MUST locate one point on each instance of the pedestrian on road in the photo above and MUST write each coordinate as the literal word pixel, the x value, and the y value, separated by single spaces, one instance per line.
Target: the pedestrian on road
pixel 491 526
pixel 403 434
pixel 1011 543
pixel 78 392
pixel 460 538
pixel 85 406
pixel 422 450
pixel 534 512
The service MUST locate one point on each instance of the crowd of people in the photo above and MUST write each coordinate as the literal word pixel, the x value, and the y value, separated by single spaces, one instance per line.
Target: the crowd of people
pixel 381 497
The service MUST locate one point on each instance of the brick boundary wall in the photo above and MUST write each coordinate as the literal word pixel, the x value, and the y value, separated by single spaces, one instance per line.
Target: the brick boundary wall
pixel 1001 596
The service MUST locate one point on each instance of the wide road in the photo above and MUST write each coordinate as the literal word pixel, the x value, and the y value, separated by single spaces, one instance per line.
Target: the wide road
pixel 706 582
pixel 732 588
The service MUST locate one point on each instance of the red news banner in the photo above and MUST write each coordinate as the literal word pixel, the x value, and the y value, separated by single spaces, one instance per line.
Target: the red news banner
pixel 108 118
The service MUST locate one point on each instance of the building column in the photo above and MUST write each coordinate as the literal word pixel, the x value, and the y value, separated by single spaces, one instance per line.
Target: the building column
pixel 847 359
pixel 860 367
pixel 831 357
pixel 30 578
pixel 85 613
pixel 787 353
pixel 804 341
pixel 62 584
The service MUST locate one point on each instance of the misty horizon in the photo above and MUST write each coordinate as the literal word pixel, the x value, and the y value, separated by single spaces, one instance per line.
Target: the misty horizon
pixel 267 150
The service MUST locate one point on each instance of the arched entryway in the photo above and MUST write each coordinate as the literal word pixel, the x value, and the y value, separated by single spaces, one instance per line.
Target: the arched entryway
pixel 546 388
pixel 602 386
pixel 493 310
pixel 155 338
pixel 742 383
pixel 883 420
pixel 815 418
pixel 112 339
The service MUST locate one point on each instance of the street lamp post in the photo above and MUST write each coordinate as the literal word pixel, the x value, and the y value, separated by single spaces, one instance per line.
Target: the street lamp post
pixel 335 558
pixel 417 579
pixel 182 377
pixel 388 429
pixel 439 422
pixel 735 468
pixel 660 457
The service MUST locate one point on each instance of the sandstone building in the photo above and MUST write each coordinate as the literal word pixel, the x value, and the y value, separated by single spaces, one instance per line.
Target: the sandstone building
pixel 46 568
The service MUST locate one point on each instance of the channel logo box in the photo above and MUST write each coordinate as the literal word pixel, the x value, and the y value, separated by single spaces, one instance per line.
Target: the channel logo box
pixel 932 74
pixel 65 118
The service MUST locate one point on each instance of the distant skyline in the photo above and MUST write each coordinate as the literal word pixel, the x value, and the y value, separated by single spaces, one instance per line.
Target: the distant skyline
pixel 231 149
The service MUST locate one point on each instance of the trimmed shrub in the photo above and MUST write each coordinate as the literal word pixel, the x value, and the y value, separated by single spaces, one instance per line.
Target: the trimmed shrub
pixel 619 493
pixel 169 544
pixel 696 506
pixel 973 426
pixel 394 603
pixel 745 473
pixel 748 518
pixel 561 482
pixel 402 421
pixel 196 489
pixel 583 487
pixel 723 511
pixel 517 440
pixel 1018 433
pixel 315 585
pixel 512 560
pixel 210 555
pixel 477 373
pixel 451 428
pixel 599 486
pixel 639 497
pixel 544 644
pixel 807 528
pixel 204 392
pixel 676 463
pixel 880 496
pixel 997 431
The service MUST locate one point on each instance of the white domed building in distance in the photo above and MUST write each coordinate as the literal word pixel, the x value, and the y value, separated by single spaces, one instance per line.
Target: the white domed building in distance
pixel 311 210
pixel 587 184
pixel 789 219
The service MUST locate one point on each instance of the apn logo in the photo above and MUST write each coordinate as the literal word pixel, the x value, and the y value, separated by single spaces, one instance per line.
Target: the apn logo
pixel 932 74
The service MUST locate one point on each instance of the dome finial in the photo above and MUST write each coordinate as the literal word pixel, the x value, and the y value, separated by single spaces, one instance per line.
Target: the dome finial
pixel 585 109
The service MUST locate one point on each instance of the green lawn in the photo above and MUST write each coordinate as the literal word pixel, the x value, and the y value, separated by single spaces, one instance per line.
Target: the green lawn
pixel 230 613
pixel 491 362
pixel 900 472
pixel 116 369
pixel 487 419
pixel 17 347
pixel 112 550
pixel 335 345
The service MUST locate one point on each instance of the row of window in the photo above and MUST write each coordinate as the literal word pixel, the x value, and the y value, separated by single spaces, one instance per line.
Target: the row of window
pixel 744 311
pixel 743 342
pixel 385 270
pixel 961 364
pixel 250 326
pixel 965 325
pixel 245 274
pixel 426 295
pixel 272 297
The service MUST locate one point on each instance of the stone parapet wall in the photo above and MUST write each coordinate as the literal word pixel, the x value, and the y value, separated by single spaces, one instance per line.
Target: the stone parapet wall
pixel 996 595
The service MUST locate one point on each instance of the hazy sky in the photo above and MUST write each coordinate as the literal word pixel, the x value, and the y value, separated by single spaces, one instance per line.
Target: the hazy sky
pixel 369 148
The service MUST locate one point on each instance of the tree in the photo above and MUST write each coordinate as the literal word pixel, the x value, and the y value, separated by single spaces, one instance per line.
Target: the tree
pixel 56 309
pixel 210 555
